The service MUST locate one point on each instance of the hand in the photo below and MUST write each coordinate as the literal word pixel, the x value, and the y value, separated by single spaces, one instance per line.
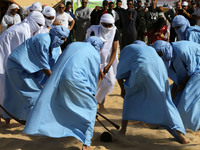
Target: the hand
pixel 101 75
pixel 105 70
pixel 9 25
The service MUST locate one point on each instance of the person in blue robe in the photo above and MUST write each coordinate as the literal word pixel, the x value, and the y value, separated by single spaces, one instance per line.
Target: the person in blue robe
pixel 184 70
pixel 147 92
pixel 67 104
pixel 25 68
pixel 184 30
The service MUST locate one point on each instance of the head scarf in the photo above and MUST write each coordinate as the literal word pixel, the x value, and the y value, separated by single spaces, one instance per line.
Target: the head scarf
pixel 103 31
pixel 166 50
pixel 12 6
pixel 34 7
pixel 49 12
pixel 33 19
pixel 57 33
pixel 178 21
pixel 95 41
pixel 139 42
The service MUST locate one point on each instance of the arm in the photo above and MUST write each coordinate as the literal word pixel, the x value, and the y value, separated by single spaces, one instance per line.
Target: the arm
pixel 72 25
pixel 56 22
pixel 112 57
pixel 47 72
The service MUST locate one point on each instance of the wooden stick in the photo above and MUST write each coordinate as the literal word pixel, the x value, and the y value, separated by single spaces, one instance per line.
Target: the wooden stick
pixel 23 122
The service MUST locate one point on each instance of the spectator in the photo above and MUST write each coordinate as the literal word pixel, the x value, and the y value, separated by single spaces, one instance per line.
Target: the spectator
pixel 10 18
pixel 63 19
pixel 141 20
pixel 152 16
pixel 82 17
pixel 196 14
pixel 112 11
pixel 98 12
pixel 129 34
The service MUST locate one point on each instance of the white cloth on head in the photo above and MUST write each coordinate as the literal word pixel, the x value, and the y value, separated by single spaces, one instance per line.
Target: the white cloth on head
pixel 12 6
pixel 33 19
pixel 185 3
pixel 107 84
pixel 9 18
pixel 49 11
pixel 34 7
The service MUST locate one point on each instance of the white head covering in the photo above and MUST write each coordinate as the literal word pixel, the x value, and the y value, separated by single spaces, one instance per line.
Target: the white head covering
pixel 12 6
pixel 33 19
pixel 34 7
pixel 49 12
pixel 104 33
pixel 185 3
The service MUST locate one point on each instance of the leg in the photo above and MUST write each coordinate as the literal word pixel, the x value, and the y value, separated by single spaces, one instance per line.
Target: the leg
pixel 102 109
pixel 123 128
pixel 183 139
pixel 85 147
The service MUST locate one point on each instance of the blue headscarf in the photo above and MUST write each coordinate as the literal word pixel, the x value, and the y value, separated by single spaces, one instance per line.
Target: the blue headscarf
pixel 178 21
pixel 57 33
pixel 139 42
pixel 95 41
pixel 166 50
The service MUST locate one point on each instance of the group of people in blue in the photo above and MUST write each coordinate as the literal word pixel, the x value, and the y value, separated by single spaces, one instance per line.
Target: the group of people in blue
pixel 65 105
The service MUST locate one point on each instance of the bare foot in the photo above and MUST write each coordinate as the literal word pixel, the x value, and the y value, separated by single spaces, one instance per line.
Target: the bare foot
pixel 183 139
pixel 85 147
pixel 102 109
pixel 122 132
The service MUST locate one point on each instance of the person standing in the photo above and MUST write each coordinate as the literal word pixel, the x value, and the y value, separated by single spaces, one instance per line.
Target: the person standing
pixel 107 31
pixel 82 18
pixel 152 16
pixel 141 21
pixel 98 12
pixel 129 33
pixel 147 91
pixel 67 106
pixel 196 14
pixel 49 15
pixel 10 18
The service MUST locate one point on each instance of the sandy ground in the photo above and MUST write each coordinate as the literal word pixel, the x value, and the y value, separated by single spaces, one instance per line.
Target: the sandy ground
pixel 138 136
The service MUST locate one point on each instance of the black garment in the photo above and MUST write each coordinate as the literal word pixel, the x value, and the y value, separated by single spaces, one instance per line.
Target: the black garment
pixel 129 34
pixel 192 21
pixel 141 23
pixel 96 16
pixel 170 14
pixel 152 16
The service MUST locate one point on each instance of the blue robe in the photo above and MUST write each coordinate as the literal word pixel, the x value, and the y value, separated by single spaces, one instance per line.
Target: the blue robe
pixel 192 33
pixel 147 96
pixel 186 62
pixel 21 85
pixel 66 105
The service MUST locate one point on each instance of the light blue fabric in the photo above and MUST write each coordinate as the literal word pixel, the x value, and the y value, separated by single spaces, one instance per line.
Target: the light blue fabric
pixel 57 34
pixel 148 96
pixel 193 34
pixel 21 85
pixel 66 105
pixel 139 42
pixel 95 41
pixel 186 62
pixel 183 23
pixel 166 50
